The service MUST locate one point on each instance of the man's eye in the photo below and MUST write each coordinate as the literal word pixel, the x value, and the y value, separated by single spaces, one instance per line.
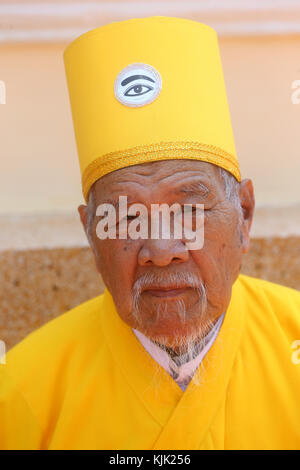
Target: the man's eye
pixel 137 90
pixel 127 218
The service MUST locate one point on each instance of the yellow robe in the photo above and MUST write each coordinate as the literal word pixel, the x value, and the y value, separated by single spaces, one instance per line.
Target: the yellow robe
pixel 83 381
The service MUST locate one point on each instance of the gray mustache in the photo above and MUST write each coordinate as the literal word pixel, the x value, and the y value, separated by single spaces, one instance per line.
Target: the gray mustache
pixel 176 280
pixel 172 280
pixel 179 308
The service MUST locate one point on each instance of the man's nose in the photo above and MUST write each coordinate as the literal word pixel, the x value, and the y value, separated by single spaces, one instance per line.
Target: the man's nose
pixel 162 252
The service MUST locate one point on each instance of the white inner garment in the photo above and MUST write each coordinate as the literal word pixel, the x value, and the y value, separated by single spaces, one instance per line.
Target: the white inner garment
pixel 182 374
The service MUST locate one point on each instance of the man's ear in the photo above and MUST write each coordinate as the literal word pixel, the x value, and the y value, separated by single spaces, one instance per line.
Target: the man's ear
pixel 83 212
pixel 82 209
pixel 247 200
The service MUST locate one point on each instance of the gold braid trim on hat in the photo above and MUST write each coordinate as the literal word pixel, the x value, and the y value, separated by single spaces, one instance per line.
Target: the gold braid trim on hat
pixel 155 152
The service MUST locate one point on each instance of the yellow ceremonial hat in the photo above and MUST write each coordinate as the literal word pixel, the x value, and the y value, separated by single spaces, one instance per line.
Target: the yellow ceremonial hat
pixel 148 89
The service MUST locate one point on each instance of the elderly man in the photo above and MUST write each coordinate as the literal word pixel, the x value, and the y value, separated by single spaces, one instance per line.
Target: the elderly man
pixel 181 351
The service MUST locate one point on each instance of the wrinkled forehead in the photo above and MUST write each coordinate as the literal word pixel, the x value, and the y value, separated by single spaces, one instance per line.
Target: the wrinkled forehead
pixel 168 173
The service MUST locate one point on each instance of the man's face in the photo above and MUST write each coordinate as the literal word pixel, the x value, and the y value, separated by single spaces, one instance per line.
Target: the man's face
pixel 158 286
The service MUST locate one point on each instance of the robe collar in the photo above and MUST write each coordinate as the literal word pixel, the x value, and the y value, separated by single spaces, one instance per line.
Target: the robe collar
pixel 181 368
pixel 178 413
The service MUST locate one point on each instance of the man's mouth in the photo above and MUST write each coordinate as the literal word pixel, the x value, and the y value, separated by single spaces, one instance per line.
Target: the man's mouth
pixel 166 291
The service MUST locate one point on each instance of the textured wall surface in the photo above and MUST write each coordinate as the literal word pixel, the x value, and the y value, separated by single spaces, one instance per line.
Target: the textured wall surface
pixel 38 285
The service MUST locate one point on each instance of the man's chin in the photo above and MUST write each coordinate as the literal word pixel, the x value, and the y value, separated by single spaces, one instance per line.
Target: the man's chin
pixel 172 330
pixel 178 339
pixel 171 316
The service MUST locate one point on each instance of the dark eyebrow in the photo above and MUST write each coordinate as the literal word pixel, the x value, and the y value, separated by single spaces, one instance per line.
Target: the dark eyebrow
pixel 135 77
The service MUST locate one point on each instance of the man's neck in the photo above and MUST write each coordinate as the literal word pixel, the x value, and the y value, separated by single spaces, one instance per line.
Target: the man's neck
pixel 181 367
pixel 189 349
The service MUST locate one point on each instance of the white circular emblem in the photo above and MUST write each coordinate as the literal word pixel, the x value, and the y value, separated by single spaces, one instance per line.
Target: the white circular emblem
pixel 137 85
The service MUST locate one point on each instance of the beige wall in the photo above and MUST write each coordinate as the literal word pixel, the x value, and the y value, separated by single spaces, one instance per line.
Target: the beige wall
pixel 39 169
pixel 259 73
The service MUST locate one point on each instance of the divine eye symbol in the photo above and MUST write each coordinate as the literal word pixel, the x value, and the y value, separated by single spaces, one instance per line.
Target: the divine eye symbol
pixel 137 85
pixel 137 90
